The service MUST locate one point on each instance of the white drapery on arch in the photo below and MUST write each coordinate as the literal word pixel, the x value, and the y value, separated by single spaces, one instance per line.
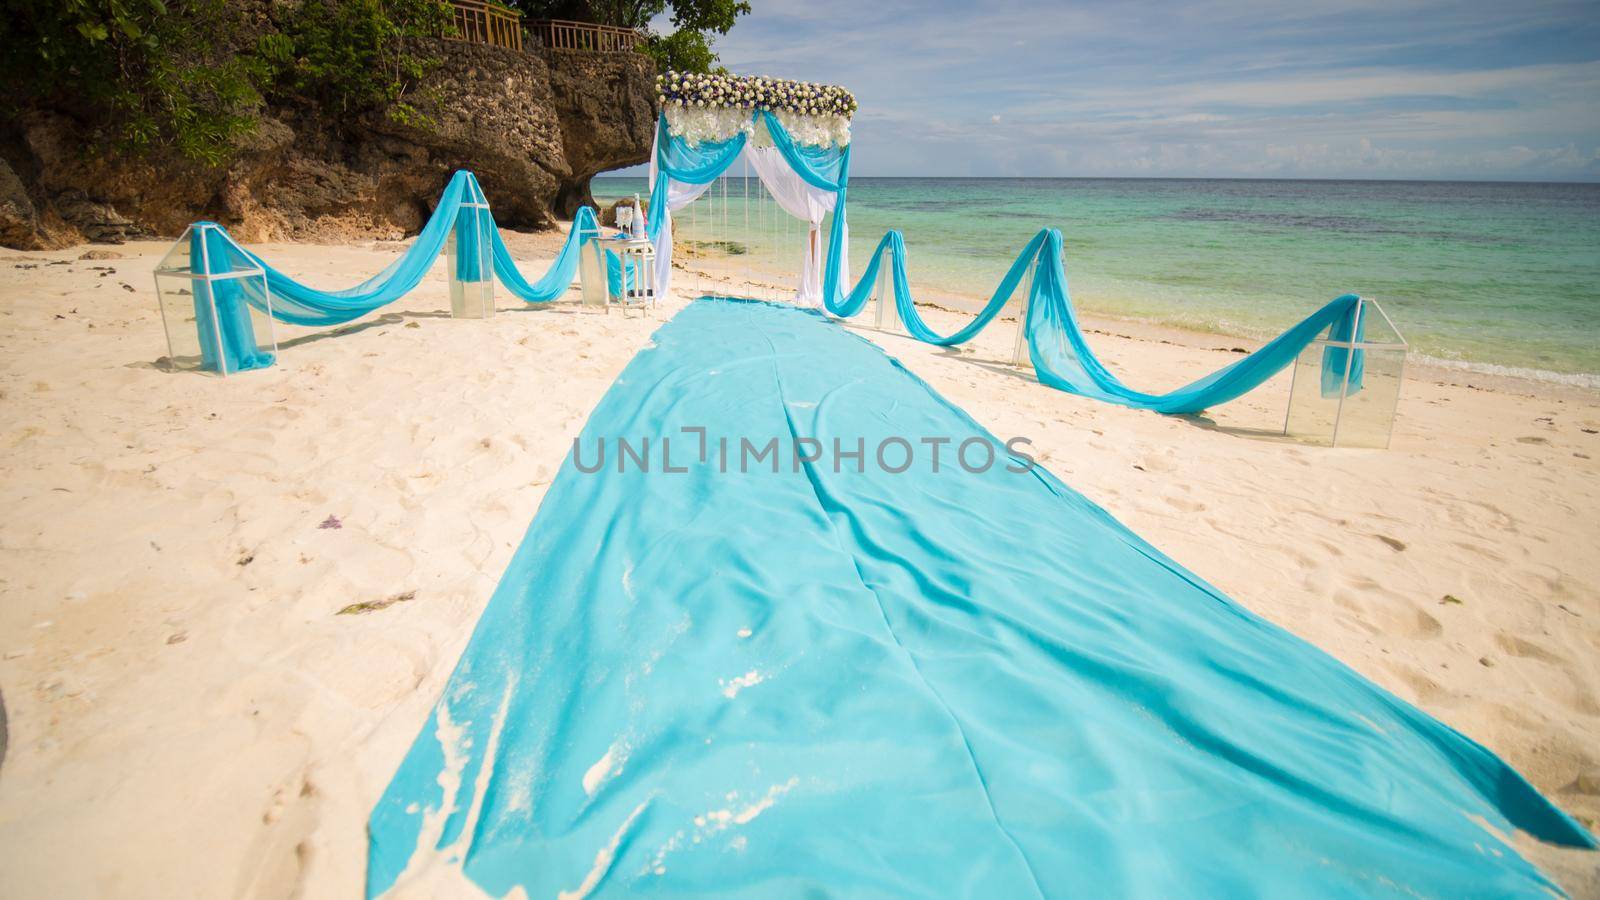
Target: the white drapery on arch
pixel 793 194
pixel 808 203
pixel 679 195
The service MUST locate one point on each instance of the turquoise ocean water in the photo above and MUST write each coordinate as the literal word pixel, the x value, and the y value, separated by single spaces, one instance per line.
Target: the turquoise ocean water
pixel 1485 276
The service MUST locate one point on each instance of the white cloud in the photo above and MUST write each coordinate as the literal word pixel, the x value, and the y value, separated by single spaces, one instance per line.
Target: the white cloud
pixel 1380 88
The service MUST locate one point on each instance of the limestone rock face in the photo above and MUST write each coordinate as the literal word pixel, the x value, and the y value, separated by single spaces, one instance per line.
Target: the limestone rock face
pixel 597 133
pixel 534 127
pixel 19 222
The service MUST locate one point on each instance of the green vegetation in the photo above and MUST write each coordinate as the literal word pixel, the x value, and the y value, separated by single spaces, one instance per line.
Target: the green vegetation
pixel 192 77
pixel 186 76
pixel 696 24
pixel 153 75
pixel 355 55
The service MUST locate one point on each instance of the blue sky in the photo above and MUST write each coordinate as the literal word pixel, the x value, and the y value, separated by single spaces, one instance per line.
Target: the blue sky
pixel 1223 88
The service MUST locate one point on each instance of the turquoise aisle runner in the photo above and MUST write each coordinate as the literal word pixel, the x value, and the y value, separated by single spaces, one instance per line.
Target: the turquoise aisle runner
pixel 901 684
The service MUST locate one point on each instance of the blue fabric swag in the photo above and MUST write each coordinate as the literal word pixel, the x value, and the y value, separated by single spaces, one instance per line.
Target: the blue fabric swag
pixel 301 304
pixel 1060 355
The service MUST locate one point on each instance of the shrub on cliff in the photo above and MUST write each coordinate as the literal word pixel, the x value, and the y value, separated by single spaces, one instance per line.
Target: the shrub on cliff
pixel 144 73
pixel 352 56
pixel 192 76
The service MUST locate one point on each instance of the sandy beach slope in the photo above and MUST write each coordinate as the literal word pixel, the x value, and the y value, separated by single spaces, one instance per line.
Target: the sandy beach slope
pixel 229 604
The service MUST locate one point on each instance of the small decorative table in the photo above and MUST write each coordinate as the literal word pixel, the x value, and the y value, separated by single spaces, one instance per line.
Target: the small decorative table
pixel 638 259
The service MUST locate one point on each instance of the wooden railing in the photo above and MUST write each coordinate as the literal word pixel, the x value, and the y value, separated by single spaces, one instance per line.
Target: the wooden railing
pixel 557 34
pixel 485 23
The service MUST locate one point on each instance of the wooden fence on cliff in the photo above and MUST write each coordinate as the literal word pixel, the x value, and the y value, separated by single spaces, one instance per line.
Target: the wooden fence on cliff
pixel 481 22
pixel 557 34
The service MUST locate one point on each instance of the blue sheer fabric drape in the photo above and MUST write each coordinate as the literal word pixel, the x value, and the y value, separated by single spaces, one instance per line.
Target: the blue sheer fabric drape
pixel 473 223
pixel 301 304
pixel 827 168
pixel 221 308
pixel 1351 329
pixel 1063 359
pixel 1061 355
pixel 678 160
pixel 585 227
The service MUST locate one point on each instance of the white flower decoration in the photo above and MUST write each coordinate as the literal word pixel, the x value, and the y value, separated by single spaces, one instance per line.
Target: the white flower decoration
pixel 717 107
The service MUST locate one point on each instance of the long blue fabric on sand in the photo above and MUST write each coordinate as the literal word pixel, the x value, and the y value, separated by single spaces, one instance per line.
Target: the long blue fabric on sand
pixel 938 683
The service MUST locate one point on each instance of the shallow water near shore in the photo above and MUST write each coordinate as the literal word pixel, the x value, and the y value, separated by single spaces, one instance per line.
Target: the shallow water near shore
pixel 1491 277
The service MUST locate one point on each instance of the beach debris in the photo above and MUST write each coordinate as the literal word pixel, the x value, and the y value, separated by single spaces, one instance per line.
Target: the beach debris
pixel 1590 430
pixel 413 324
pixel 100 254
pixel 367 606
pixel 331 522
pixel 129 288
pixel 1394 544
pixel 246 559
pixel 1452 598
pixel 1486 662
pixel 177 637
pixel 1532 439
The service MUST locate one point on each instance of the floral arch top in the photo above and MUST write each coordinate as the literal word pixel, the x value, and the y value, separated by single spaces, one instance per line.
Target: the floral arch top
pixel 701 107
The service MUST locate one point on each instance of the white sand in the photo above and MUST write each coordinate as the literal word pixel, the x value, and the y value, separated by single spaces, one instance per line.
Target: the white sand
pixel 190 717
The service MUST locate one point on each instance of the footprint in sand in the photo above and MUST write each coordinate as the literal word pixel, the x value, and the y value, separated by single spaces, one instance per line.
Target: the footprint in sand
pixel 1425 689
pixel 1525 649
pixel 1390 614
pixel 1184 504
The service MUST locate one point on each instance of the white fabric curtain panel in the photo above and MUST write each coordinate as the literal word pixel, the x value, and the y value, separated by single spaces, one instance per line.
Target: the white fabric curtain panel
pixel 679 195
pixel 807 203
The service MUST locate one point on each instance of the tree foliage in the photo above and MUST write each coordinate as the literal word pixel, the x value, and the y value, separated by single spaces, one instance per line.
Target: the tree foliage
pixel 696 24
pixel 148 74
pixel 357 55
pixel 181 75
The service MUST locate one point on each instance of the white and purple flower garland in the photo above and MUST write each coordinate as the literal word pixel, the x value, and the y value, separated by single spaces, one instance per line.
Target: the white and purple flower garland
pixel 716 107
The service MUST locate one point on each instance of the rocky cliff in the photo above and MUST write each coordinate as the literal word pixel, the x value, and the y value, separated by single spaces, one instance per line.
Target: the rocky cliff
pixel 534 126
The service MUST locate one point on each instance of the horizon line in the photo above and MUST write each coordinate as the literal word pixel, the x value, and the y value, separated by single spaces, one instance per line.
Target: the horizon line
pixel 1593 181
